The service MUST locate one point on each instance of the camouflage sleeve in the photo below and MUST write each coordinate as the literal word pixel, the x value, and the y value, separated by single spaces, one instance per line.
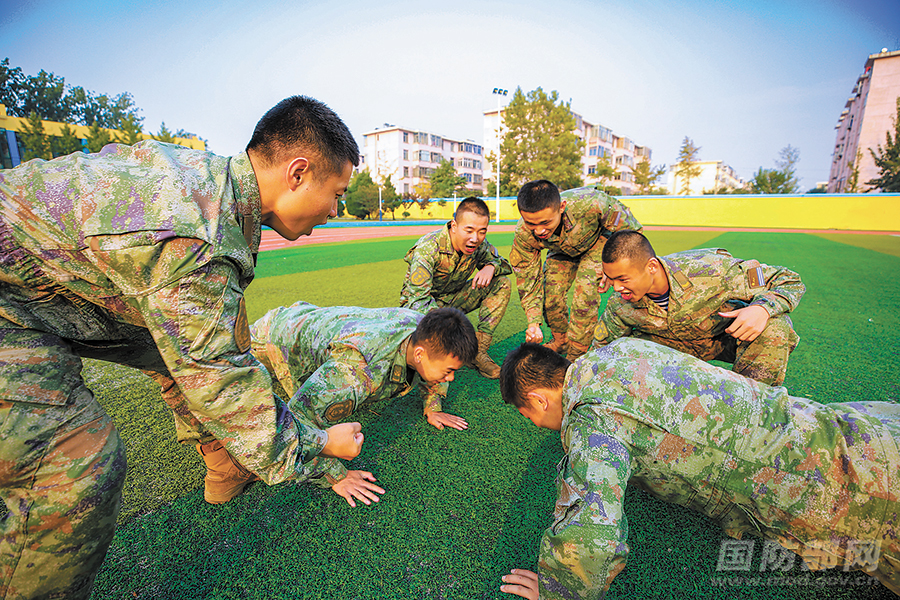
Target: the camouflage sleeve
pixel 776 289
pixel 616 216
pixel 488 255
pixel 525 260
pixel 416 293
pixel 200 327
pixel 585 547
pixel 336 389
pixel 610 326
pixel 435 394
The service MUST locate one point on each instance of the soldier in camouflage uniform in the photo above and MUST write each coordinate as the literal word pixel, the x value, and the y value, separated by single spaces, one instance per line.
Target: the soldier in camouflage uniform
pixel 331 360
pixel 821 480
pixel 140 255
pixel 703 302
pixel 455 266
pixel 573 226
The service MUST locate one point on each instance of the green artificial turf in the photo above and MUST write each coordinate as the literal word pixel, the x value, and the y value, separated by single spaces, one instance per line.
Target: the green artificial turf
pixel 462 507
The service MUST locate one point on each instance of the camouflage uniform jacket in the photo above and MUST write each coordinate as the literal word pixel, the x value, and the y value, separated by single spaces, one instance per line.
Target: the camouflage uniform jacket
pixel 164 238
pixel 436 269
pixel 333 359
pixel 812 477
pixel 701 283
pixel 589 213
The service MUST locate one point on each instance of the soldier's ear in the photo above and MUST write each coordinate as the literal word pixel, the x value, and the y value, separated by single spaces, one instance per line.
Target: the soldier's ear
pixel 562 205
pixel 538 399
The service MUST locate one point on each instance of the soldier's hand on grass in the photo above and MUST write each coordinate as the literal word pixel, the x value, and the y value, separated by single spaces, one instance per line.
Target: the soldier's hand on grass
pixel 345 441
pixel 521 582
pixel 534 334
pixel 442 419
pixel 359 485
pixel 748 322
pixel 604 284
pixel 483 277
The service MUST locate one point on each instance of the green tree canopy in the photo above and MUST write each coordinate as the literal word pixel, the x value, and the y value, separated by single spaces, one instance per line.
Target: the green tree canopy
pixel 782 180
pixel 361 198
pixel 646 175
pixel 538 142
pixel 390 199
pixel 130 130
pixel 67 143
pixel 97 138
pixel 687 168
pixel 887 159
pixel 36 143
pixel 445 181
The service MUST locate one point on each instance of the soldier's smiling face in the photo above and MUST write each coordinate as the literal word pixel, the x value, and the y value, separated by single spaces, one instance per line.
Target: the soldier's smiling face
pixel 631 281
pixel 436 368
pixel 545 221
pixel 313 200
pixel 468 231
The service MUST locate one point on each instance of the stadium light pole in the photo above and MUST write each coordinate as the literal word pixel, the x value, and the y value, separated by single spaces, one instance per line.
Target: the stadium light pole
pixel 500 93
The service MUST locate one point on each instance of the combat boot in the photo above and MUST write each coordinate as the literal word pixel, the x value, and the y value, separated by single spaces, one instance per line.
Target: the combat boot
pixel 225 477
pixel 558 344
pixel 483 363
pixel 576 350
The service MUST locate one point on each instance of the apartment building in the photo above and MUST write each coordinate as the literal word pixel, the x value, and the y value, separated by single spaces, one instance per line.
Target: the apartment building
pixel 622 153
pixel 867 116
pixel 408 157
pixel 714 175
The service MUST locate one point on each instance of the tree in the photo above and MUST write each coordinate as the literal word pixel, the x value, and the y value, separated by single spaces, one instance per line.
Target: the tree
pixel 361 198
pixel 35 141
pixel 44 94
pixel 164 134
pixel 645 176
pixel 853 179
pixel 67 143
pixel 445 181
pixel 887 159
pixel 97 137
pixel 781 180
pixel 390 199
pixel 130 129
pixel 539 143
pixel 686 167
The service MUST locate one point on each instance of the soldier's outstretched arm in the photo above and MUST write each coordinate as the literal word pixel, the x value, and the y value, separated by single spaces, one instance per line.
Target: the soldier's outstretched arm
pixel 525 260
pixel 199 324
pixel 434 394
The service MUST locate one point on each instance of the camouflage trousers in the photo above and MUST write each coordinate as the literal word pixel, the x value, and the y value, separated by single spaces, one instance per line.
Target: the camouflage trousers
pixel 491 302
pixel 764 359
pixel 584 273
pixel 62 467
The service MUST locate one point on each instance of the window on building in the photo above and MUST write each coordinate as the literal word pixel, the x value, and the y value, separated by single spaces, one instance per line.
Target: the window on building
pixel 477 179
pixel 437 141
pixel 594 151
pixel 592 170
pixel 405 137
pixel 406 171
pixel 406 155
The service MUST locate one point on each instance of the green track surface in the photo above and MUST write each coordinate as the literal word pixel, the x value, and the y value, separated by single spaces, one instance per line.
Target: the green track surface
pixel 462 508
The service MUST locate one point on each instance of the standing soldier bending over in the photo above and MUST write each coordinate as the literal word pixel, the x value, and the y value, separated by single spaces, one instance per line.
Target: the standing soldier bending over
pixel 140 255
pixel 703 302
pixel 455 266
pixel 573 226
pixel 331 360
pixel 818 479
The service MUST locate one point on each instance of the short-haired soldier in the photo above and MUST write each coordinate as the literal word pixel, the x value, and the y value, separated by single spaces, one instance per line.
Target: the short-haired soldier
pixel 704 302
pixel 456 266
pixel 573 227
pixel 140 255
pixel 333 359
pixel 818 479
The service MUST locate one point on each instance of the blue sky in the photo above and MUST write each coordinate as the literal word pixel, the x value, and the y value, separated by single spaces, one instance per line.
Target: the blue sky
pixel 742 79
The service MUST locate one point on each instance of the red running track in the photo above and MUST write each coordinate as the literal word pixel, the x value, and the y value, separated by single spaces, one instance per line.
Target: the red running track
pixel 273 241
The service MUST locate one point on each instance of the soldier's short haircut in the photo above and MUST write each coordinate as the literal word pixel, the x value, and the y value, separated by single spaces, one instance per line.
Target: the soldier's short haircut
pixel 472 205
pixel 527 368
pixel 444 331
pixel 537 195
pixel 627 244
pixel 301 123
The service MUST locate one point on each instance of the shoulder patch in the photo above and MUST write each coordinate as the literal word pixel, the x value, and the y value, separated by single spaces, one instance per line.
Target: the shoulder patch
pixel 723 252
pixel 398 374
pixel 601 332
pixel 617 218
pixel 755 277
pixel 242 328
pixel 420 276
pixel 339 411
pixel 682 279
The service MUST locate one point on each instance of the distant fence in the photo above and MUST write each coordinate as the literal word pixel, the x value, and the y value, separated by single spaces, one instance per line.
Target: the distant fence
pixel 860 212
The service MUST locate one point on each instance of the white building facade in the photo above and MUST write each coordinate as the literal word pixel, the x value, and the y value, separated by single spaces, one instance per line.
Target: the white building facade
pixel 409 157
pixel 714 175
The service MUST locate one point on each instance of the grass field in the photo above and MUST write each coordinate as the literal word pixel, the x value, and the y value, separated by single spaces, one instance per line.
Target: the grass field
pixel 463 507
